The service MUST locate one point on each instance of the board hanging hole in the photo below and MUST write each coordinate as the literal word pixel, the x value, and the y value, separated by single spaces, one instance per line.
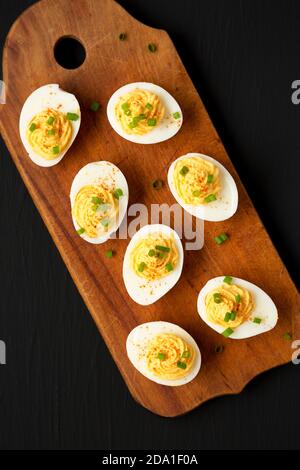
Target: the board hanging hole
pixel 69 52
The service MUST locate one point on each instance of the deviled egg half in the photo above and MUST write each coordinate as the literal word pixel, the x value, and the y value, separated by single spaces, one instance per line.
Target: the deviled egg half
pixel 164 352
pixel 236 308
pixel 152 263
pixel 49 122
pixel 203 187
pixel 99 199
pixel 144 113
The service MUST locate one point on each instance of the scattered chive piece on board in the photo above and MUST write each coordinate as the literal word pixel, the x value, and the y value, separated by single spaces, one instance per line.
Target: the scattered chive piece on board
pixel 287 336
pixel 157 184
pixel 152 47
pixel 94 106
pixel 109 254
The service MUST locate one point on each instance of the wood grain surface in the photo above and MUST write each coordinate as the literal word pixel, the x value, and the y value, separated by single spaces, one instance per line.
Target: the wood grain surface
pixel 250 253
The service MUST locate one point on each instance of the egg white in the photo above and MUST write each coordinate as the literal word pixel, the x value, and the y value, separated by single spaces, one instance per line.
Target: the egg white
pixel 166 129
pixel 141 290
pixel 111 175
pixel 137 343
pixel 48 96
pixel 216 211
pixel 264 309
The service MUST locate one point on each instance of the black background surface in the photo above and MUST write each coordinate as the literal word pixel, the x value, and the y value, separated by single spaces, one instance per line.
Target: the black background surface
pixel 60 387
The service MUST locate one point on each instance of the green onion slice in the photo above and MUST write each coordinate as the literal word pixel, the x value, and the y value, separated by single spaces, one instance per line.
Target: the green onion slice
pixel 72 116
pixel 217 298
pixel 226 333
pixel 55 150
pixel 105 222
pixel 181 365
pixel 32 127
pixel 184 170
pixel 51 132
pixel 142 266
pixel 228 280
pixel 97 200
pixel 161 356
pixel 151 122
pixel 50 120
pixel 257 320
pixel 166 249
pixel 118 193
pixel 287 336
pixel 196 193
pixel 227 316
pixel 186 354
pixel 238 298
pixel 176 115
pixel 209 179
pixel 109 254
pixel 151 253
pixel 169 267
pixel 149 106
pixel 210 198
pixel 80 231
pixel 125 106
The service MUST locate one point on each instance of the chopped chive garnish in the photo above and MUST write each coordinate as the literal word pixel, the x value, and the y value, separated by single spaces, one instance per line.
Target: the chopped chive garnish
pixel 238 298
pixel 161 356
pixel 209 179
pixel 55 150
pixel 151 253
pixel 105 222
pixel 51 132
pixel 32 127
pixel 218 240
pixel 196 193
pixel 232 316
pixel 181 365
pixel 210 198
pixel 166 249
pixel 122 36
pixel 186 354
pixel 50 120
pixel 219 348
pixel 125 106
pixel 217 298
pixel 257 320
pixel 72 116
pixel 226 333
pixel 151 122
pixel 94 106
pixel 157 184
pixel 118 193
pixel 184 170
pixel 80 231
pixel 136 120
pixel 287 336
pixel 221 238
pixel 152 47
pixel 176 115
pixel 159 254
pixel 227 316
pixel 149 106
pixel 97 200
pixel 142 266
pixel 227 280
pixel 169 267
pixel 109 254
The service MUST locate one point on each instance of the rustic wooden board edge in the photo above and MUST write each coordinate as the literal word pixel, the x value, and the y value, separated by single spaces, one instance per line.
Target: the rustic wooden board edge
pixel 26 179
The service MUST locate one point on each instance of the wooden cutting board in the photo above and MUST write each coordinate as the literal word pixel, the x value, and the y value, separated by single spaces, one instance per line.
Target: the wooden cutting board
pixel 28 63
